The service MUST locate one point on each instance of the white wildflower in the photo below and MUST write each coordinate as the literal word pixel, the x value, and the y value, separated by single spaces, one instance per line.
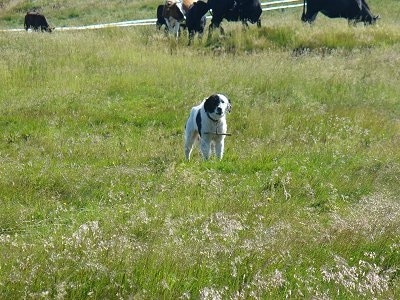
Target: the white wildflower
pixel 209 293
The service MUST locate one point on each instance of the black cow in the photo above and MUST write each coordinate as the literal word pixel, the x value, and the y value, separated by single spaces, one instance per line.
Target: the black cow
pixel 36 21
pixel 250 11
pixel 232 10
pixel 352 10
pixel 235 10
pixel 194 24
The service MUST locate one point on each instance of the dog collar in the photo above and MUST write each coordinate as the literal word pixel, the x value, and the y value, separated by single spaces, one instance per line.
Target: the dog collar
pixel 216 128
pixel 208 115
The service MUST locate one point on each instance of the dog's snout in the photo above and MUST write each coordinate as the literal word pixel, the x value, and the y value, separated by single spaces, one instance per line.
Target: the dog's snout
pixel 219 110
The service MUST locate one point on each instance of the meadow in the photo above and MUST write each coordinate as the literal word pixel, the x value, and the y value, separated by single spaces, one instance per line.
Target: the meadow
pixel 98 202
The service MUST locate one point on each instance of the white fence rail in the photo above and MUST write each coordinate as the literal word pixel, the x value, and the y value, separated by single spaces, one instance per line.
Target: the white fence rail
pixel 281 4
pixel 266 6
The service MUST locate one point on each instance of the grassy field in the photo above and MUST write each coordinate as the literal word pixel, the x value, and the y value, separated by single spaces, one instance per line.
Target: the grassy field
pixel 98 202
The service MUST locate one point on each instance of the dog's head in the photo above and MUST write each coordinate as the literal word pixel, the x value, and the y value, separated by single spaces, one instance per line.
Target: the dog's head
pixel 217 106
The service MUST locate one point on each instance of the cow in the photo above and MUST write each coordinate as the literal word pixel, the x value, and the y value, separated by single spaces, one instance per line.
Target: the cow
pixel 192 23
pixel 36 21
pixel 173 16
pixel 160 19
pixel 250 11
pixel 231 10
pixel 352 10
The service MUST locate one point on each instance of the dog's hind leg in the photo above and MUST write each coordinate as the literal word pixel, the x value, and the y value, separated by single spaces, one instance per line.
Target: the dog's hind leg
pixel 189 142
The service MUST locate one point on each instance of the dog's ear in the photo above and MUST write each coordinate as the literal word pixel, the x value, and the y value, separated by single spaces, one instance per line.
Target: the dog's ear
pixel 229 105
pixel 211 103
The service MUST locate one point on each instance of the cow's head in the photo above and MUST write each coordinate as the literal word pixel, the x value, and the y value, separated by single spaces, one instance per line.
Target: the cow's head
pixel 170 3
pixel 366 16
pixel 172 10
pixel 372 19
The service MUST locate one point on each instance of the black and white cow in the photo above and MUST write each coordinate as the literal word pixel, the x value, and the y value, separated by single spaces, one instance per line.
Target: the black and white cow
pixel 36 21
pixel 162 22
pixel 173 15
pixel 193 25
pixel 352 10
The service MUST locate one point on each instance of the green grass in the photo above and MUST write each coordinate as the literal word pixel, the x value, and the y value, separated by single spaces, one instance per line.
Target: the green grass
pixel 98 202
pixel 76 13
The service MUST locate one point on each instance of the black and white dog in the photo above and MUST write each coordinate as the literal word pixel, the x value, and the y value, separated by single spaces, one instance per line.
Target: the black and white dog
pixel 207 122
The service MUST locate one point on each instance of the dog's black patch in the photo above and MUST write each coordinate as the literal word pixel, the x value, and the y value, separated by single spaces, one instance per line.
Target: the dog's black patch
pixel 198 122
pixel 211 103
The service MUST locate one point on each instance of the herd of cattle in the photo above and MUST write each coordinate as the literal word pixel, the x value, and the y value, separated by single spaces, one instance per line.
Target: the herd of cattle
pixel 191 14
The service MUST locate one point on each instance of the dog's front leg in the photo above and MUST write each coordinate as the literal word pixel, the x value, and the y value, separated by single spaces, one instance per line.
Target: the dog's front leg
pixel 205 146
pixel 219 149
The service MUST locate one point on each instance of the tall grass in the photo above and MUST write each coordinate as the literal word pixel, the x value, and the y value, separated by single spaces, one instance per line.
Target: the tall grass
pixel 98 202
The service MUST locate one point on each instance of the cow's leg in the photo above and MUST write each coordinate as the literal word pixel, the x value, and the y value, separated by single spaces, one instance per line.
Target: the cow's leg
pixel 176 29
pixel 309 16
pixel 212 27
pixel 173 26
pixel 169 25
pixel 200 33
pixel 210 30
pixel 215 23
pixel 312 17
pixel 352 22
pixel 192 33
